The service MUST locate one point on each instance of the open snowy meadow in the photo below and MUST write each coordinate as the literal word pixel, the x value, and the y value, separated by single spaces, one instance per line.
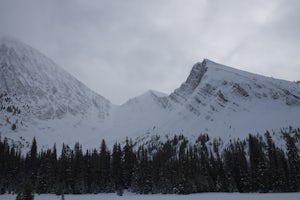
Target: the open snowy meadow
pixel 198 196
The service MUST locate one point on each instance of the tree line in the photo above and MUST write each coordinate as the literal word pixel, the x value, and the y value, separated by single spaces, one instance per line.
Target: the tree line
pixel 171 165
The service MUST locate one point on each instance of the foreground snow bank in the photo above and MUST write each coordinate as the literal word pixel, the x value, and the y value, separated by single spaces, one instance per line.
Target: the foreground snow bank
pixel 199 196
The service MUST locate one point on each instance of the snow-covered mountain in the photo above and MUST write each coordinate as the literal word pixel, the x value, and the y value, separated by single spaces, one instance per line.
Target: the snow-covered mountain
pixel 40 99
pixel 33 89
pixel 50 90
pixel 221 101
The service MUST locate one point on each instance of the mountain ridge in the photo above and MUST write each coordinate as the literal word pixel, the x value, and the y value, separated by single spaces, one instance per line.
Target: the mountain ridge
pixel 52 105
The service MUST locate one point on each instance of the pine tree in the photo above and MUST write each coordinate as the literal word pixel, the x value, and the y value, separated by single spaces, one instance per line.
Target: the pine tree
pixel 42 184
pixel 276 167
pixel 293 161
pixel 33 150
pixel 142 182
pixel 281 182
pixel 117 168
pixel 65 178
pixel 78 170
pixel 204 181
pixel 237 167
pixel 95 172
pixel 258 168
pixel 105 169
pixel 221 182
pixel 32 163
pixel 128 163
pixel 89 175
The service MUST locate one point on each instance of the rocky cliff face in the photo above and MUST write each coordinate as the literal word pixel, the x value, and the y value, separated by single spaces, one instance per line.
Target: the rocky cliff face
pixel 183 93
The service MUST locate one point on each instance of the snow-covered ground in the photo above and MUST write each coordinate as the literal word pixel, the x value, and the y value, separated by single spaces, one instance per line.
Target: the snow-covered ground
pixel 199 196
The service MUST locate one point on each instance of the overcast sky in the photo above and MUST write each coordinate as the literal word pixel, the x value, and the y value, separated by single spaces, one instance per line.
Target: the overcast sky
pixel 121 48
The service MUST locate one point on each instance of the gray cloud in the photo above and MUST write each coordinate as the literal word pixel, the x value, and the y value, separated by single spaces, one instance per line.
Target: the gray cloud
pixel 122 48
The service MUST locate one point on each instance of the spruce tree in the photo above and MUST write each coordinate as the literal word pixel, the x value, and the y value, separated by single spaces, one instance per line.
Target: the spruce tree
pixel 142 182
pixel 128 163
pixel 65 177
pixel 105 169
pixel 95 172
pixel 258 168
pixel 117 168
pixel 78 170
pixel 293 161
pixel 32 163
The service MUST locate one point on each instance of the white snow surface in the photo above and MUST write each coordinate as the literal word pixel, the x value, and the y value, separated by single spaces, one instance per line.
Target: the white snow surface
pixel 215 99
pixel 199 196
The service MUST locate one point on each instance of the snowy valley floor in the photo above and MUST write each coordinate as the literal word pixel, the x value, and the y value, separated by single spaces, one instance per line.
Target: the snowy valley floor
pixel 199 196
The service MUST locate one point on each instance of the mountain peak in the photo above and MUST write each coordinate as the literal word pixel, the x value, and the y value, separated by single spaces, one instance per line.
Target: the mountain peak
pixel 205 61
pixel 13 43
pixel 220 67
pixel 181 94
pixel 47 88
pixel 146 96
pixel 212 64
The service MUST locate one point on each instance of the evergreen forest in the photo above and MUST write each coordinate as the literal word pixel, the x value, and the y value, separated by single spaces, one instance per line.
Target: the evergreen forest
pixel 172 165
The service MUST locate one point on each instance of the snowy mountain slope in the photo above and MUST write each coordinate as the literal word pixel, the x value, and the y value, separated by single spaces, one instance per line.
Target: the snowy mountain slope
pixel 138 114
pixel 40 90
pixel 228 87
pixel 27 73
pixel 40 99
pixel 224 102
